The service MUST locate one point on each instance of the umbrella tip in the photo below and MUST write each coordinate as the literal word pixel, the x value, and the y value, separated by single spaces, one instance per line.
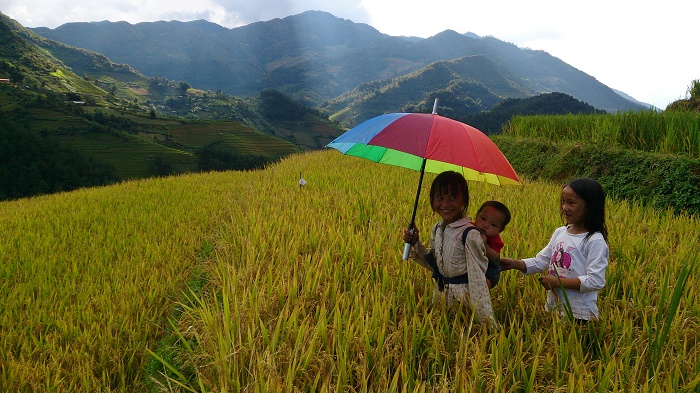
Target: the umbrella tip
pixel 435 106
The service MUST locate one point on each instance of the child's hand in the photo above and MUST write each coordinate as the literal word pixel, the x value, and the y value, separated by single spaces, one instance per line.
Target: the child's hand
pixel 483 237
pixel 411 236
pixel 508 263
pixel 549 281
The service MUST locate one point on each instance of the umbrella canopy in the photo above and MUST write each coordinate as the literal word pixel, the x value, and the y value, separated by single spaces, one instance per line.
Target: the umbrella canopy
pixel 406 139
pixel 428 142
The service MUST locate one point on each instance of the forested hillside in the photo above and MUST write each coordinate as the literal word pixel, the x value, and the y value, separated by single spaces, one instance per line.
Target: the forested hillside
pixel 316 57
pixel 65 131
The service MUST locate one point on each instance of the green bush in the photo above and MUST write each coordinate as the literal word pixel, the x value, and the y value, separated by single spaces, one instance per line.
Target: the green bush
pixel 658 180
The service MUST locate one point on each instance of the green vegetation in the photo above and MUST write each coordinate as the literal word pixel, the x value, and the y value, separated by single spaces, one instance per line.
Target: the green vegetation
pixel 648 157
pixel 661 181
pixel 131 143
pixel 34 63
pixel 114 123
pixel 668 132
pixel 33 165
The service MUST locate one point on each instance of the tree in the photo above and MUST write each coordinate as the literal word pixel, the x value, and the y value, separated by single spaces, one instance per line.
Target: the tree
pixel 159 167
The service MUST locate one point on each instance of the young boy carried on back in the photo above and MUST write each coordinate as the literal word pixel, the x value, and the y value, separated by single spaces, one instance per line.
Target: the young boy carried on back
pixel 491 219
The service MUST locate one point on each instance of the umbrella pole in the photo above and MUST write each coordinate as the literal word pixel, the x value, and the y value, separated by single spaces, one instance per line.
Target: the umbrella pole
pixel 407 246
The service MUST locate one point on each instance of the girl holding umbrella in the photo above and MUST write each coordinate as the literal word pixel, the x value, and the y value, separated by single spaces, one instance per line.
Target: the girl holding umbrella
pixel 458 265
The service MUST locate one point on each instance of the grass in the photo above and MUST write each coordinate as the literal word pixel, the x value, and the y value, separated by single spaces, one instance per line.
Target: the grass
pixel 89 277
pixel 666 132
pixel 243 281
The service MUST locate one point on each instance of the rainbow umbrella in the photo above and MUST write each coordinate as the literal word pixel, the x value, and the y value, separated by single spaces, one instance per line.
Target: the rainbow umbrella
pixel 427 143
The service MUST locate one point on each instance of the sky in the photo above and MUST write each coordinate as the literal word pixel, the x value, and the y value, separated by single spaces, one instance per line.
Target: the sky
pixel 647 49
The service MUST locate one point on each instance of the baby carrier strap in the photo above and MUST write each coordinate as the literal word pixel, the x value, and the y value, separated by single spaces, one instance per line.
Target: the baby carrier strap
pixel 441 280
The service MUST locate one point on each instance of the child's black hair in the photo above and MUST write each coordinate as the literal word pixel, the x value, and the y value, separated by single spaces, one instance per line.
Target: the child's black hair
pixel 499 207
pixel 450 181
pixel 593 195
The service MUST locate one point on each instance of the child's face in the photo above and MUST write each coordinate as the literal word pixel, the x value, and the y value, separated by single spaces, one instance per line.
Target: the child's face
pixel 572 207
pixel 489 221
pixel 449 206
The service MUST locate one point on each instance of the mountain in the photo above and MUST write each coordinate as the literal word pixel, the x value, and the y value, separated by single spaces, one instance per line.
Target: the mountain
pixel 316 57
pixel 60 131
pixel 459 84
pixel 630 98
pixel 21 61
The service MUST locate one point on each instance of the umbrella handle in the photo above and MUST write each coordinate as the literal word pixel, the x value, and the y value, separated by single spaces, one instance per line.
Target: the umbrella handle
pixel 407 246
pixel 406 250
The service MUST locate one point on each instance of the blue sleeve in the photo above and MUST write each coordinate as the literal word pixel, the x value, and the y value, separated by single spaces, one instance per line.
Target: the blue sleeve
pixel 493 273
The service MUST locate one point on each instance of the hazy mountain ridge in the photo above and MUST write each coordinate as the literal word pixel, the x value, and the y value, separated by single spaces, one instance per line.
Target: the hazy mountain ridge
pixel 107 83
pixel 315 57
pixel 464 80
pixel 62 131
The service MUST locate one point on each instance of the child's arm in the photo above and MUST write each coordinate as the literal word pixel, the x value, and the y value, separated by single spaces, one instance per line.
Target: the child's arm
pixel 493 271
pixel 491 254
pixel 550 281
pixel 508 264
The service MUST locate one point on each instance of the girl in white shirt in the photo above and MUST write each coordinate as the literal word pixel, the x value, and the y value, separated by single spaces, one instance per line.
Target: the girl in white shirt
pixel 576 258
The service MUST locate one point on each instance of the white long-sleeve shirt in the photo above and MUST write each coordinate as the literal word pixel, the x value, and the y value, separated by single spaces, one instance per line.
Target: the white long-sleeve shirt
pixel 569 256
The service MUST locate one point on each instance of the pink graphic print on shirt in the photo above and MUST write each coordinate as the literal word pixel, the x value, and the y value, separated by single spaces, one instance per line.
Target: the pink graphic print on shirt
pixel 561 260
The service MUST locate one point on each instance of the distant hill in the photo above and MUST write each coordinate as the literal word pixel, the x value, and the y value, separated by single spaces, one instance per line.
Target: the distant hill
pixel 316 57
pixel 630 98
pixel 22 62
pixel 93 76
pixel 62 131
pixel 493 121
pixel 464 86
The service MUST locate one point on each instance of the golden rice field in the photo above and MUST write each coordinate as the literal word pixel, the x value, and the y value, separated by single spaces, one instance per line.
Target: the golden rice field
pixel 304 290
